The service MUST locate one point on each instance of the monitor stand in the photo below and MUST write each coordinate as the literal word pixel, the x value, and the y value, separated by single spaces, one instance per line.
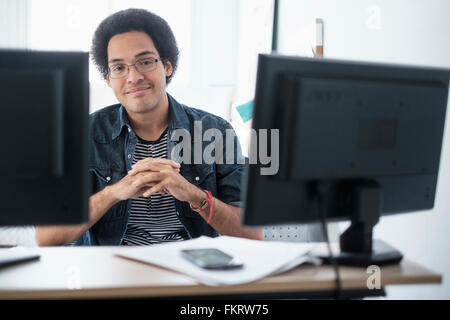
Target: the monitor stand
pixel 357 248
pixel 382 254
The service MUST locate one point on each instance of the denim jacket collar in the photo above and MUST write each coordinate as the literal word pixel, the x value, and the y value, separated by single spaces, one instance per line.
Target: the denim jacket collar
pixel 177 118
pixel 122 121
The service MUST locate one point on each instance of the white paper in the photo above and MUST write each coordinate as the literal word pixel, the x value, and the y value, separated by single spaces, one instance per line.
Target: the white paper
pixel 260 258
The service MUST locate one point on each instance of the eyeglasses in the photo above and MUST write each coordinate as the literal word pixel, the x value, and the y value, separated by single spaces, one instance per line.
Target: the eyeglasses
pixel 121 70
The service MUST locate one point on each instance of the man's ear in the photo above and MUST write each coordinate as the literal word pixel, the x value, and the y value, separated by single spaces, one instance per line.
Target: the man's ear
pixel 168 67
pixel 108 80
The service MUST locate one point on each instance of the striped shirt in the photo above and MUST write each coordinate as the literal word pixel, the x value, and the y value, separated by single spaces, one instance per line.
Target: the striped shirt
pixel 153 220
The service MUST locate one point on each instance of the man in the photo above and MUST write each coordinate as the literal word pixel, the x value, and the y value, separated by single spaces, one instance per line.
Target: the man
pixel 141 196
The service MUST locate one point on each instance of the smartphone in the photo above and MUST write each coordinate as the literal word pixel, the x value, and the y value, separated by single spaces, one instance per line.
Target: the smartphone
pixel 211 259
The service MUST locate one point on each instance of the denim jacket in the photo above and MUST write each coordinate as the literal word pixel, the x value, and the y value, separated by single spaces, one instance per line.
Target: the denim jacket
pixel 112 144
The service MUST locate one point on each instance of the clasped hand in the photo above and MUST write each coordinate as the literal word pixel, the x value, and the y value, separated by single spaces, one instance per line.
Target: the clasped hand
pixel 151 175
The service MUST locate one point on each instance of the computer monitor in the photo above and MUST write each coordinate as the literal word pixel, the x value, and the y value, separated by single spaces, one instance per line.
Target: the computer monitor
pixel 356 141
pixel 44 106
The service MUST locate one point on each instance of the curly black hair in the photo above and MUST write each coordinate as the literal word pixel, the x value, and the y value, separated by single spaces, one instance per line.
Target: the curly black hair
pixel 134 20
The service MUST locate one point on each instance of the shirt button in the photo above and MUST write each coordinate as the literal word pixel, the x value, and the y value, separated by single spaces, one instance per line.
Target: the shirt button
pixel 129 156
pixel 129 129
pixel 108 178
pixel 197 178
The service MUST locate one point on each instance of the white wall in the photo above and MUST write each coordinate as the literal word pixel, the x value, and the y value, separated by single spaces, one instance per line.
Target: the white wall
pixel 213 60
pixel 14 17
pixel 400 31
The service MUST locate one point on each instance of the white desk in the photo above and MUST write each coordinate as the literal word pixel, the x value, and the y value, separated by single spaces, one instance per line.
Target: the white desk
pixel 95 272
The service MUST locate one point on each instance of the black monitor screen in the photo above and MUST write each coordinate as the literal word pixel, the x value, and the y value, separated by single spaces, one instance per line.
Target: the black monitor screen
pixel 44 103
pixel 344 127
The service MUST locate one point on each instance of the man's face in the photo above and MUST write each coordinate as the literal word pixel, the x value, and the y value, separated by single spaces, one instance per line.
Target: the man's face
pixel 137 92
